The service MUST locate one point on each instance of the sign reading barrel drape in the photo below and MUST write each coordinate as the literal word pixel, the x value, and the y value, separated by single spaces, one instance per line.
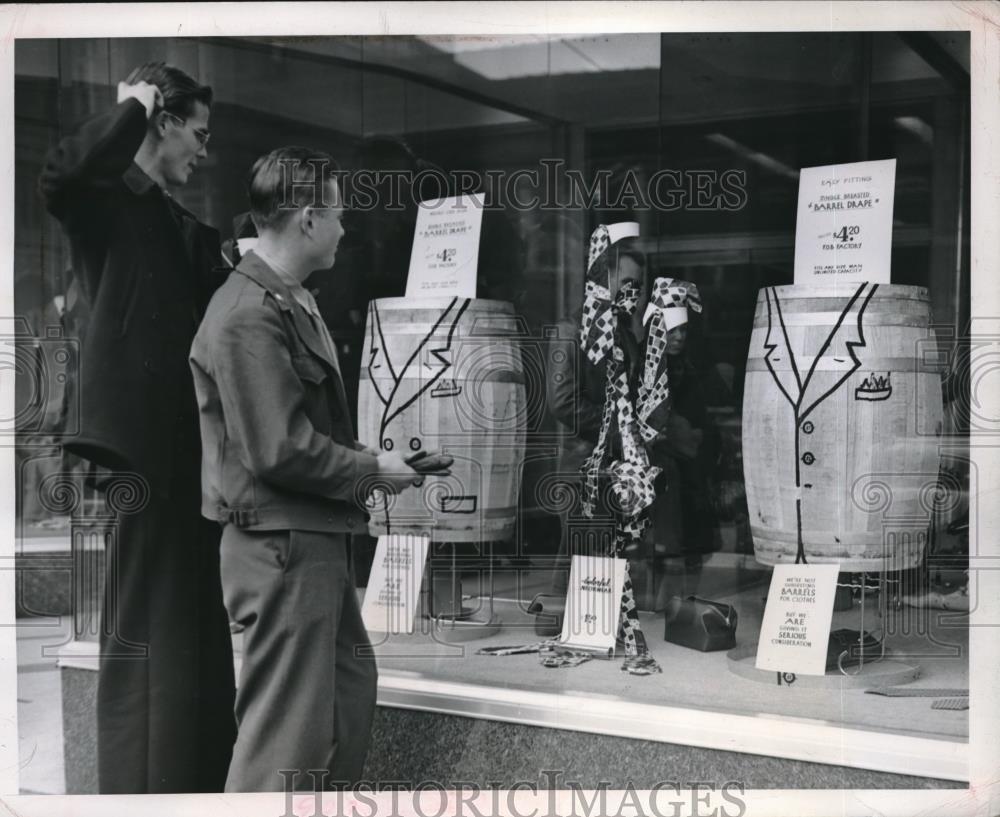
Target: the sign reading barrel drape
pixel 445 253
pixel 843 229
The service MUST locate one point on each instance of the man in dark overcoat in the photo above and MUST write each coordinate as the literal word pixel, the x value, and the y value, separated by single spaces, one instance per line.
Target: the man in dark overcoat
pixel 148 268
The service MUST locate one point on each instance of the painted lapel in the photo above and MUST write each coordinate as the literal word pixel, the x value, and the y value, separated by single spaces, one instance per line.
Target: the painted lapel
pixel 780 358
pixel 839 350
pixel 435 356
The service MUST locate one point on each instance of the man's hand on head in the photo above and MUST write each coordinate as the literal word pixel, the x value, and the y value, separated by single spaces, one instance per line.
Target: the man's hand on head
pixel 149 95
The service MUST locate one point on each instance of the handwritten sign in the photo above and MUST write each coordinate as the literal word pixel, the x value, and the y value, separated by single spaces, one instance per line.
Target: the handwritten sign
pixel 843 230
pixel 593 603
pixel 796 627
pixel 393 591
pixel 445 254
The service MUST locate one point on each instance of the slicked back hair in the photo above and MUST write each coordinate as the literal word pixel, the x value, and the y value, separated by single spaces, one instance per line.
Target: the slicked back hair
pixel 180 90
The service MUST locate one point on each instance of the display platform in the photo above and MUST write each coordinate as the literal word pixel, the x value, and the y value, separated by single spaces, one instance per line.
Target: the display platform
pixel 698 700
pixel 697 718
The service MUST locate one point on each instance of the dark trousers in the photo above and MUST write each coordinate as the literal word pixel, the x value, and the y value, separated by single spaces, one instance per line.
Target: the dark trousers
pixel 307 687
pixel 165 689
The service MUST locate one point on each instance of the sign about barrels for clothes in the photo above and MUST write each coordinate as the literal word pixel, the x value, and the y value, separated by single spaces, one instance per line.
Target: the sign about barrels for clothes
pixel 795 631
pixel 843 231
pixel 393 592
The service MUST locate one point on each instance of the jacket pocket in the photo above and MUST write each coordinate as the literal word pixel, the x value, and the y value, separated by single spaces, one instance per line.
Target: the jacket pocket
pixel 318 387
pixel 309 369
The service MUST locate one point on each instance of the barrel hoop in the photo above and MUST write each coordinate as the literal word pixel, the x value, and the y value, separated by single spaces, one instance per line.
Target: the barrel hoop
pixel 886 292
pixel 441 519
pixel 498 376
pixel 873 319
pixel 817 538
pixel 483 305
pixel 828 364
pixel 426 318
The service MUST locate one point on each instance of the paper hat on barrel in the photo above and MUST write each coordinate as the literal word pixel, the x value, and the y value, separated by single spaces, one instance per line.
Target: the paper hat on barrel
pixel 670 299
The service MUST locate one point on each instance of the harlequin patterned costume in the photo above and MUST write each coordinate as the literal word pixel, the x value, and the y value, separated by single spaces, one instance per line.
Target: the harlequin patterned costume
pixel 632 476
pixel 668 305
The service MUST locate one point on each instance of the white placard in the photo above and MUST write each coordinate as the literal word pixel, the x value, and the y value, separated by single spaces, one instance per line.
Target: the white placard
pixel 843 230
pixel 796 628
pixel 393 592
pixel 445 255
pixel 593 603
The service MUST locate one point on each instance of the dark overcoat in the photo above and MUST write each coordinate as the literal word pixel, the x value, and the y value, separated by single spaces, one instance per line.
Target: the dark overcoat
pixel 147 268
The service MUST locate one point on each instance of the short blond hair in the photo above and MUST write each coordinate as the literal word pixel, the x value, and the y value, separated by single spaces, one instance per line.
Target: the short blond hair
pixel 286 180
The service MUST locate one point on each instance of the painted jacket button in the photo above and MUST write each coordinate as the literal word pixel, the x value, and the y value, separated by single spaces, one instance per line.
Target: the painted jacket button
pixel 808 458
pixel 808 427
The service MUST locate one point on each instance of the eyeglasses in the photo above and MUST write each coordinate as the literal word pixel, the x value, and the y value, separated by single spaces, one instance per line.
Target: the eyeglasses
pixel 201 134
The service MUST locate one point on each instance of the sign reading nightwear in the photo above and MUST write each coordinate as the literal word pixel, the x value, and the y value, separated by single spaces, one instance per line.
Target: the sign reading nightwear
pixel 843 231
pixel 393 592
pixel 593 603
pixel 795 631
pixel 445 254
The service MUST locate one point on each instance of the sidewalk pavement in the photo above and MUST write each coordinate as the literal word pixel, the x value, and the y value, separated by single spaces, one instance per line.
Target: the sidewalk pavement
pixel 39 704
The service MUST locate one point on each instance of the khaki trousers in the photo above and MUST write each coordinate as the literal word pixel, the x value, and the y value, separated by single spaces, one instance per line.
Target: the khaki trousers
pixel 306 694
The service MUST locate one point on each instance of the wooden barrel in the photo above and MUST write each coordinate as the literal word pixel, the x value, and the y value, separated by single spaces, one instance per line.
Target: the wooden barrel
pixel 841 418
pixel 445 374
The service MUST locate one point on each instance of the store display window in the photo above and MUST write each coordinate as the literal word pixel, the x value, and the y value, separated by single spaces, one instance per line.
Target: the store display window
pixel 687 150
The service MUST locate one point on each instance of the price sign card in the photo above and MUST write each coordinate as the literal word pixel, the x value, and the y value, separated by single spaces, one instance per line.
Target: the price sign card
pixel 445 254
pixel 843 231
pixel 796 628
pixel 593 603
pixel 393 592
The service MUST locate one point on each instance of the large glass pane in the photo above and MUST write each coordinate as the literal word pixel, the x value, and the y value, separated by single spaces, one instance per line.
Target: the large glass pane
pixel 699 138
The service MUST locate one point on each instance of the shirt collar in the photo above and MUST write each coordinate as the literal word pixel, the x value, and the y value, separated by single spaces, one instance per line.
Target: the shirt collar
pixel 137 180
pixel 140 183
pixel 299 292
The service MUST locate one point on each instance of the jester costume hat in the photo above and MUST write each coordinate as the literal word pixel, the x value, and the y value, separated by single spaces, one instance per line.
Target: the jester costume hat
pixel 668 308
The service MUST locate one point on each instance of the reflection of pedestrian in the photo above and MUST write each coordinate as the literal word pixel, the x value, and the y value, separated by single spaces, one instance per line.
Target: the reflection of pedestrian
pixel 144 263
pixel 682 514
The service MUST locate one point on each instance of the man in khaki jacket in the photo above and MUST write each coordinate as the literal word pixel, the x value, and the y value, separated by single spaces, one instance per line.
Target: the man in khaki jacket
pixel 284 474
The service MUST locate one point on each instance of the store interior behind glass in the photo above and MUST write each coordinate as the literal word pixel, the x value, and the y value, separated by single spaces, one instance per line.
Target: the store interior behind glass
pixel 760 105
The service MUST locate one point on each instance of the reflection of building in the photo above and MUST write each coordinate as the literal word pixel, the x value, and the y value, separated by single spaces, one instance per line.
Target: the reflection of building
pixel 715 128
